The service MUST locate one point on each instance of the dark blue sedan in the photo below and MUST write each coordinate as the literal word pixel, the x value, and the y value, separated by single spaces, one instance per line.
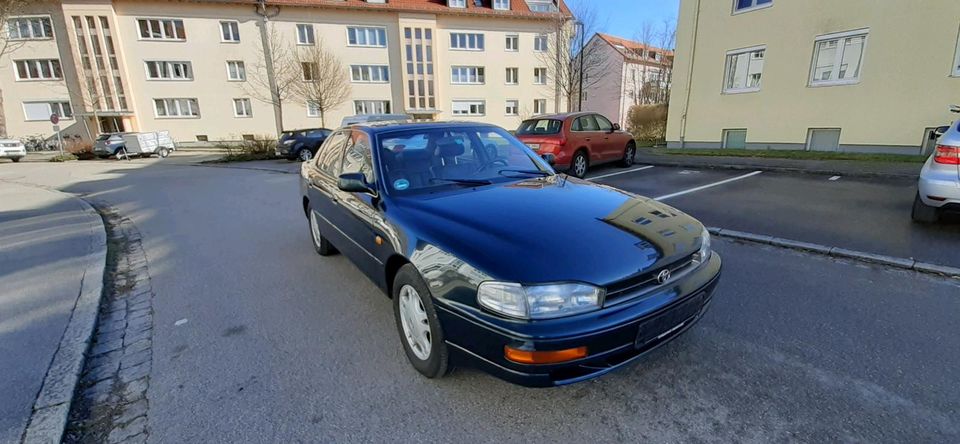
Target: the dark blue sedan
pixel 493 260
pixel 301 144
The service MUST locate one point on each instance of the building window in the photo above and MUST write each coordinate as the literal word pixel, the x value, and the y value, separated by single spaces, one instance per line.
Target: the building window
pixel 466 41
pixel 513 108
pixel 539 76
pixel 418 62
pixel 838 59
pixel 242 108
pixel 370 73
pixel 363 107
pixel 29 28
pixel 542 5
pixel 41 69
pixel 469 107
pixel 161 29
pixel 229 32
pixel 744 70
pixel 43 110
pixel 750 5
pixel 305 34
pixel 540 106
pixel 236 71
pixel 457 3
pixel 513 76
pixel 467 75
pixel 823 139
pixel 367 36
pixel 313 108
pixel 309 70
pixel 176 108
pixel 540 43
pixel 512 43
pixel 734 139
pixel 161 70
pixel 503 5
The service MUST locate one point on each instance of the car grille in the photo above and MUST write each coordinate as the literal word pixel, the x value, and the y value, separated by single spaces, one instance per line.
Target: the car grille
pixel 642 283
pixel 8 144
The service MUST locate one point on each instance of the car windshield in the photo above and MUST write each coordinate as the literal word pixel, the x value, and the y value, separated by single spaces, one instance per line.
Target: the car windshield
pixel 432 159
pixel 539 126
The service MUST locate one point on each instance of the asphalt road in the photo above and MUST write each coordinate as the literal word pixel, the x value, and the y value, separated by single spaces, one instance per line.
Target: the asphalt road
pixel 276 344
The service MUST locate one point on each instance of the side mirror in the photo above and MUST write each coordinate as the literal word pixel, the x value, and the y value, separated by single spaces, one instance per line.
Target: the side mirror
pixel 550 158
pixel 616 127
pixel 941 130
pixel 354 183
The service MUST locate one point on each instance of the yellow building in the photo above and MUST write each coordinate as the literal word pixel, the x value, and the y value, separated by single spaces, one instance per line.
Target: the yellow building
pixel 852 75
pixel 197 68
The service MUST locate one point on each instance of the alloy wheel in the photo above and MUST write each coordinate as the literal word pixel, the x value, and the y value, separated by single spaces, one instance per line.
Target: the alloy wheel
pixel 314 229
pixel 413 318
pixel 580 165
pixel 305 155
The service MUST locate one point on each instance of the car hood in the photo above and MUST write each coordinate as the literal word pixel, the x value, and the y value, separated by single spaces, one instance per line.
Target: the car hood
pixel 549 230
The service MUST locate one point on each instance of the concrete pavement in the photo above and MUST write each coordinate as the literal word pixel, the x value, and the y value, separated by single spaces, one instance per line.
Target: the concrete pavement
pixel 52 248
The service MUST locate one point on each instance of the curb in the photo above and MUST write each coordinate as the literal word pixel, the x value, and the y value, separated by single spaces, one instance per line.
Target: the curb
pixel 889 261
pixel 52 406
pixel 778 169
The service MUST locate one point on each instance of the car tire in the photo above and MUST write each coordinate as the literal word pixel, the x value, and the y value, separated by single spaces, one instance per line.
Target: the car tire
pixel 923 213
pixel 163 152
pixel 579 165
pixel 629 153
pixel 320 243
pixel 304 155
pixel 15 159
pixel 414 313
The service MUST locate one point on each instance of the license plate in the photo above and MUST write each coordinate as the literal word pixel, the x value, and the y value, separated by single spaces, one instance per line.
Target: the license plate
pixel 668 323
pixel 534 146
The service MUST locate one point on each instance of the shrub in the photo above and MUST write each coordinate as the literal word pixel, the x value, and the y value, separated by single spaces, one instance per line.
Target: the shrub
pixel 83 150
pixel 63 158
pixel 259 148
pixel 648 123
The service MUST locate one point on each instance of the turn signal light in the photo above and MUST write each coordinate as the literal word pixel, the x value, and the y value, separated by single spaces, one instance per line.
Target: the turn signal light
pixel 948 155
pixel 544 357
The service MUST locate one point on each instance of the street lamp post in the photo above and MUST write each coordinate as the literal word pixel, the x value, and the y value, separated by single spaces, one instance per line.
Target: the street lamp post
pixel 579 24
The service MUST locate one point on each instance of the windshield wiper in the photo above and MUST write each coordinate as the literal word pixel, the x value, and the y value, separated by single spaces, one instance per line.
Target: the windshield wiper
pixel 533 172
pixel 472 182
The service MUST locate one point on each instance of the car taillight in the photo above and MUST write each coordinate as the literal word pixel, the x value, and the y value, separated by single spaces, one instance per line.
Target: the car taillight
pixel 945 154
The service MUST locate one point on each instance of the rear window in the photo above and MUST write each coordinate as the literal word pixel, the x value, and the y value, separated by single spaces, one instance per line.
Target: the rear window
pixel 539 126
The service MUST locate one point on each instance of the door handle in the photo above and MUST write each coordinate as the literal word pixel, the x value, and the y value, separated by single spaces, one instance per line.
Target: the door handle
pixel 587 139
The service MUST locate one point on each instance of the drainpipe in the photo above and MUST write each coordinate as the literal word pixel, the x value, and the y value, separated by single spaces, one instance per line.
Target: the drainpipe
pixel 268 60
pixel 693 53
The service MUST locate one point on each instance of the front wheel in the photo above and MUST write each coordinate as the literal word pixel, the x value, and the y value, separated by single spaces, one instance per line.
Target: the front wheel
pixel 304 155
pixel 15 159
pixel 922 212
pixel 418 325
pixel 629 153
pixel 163 152
pixel 579 164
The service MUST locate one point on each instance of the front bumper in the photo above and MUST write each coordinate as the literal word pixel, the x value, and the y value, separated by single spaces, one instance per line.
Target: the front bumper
pixel 614 336
pixel 12 153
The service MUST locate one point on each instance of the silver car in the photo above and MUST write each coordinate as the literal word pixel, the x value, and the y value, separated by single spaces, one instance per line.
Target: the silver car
pixel 939 186
pixel 12 149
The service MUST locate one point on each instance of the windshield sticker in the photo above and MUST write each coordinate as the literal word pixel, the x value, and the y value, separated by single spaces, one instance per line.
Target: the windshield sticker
pixel 401 184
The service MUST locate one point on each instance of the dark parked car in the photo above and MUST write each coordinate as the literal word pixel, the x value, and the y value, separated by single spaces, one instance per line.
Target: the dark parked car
pixel 578 140
pixel 493 260
pixel 301 144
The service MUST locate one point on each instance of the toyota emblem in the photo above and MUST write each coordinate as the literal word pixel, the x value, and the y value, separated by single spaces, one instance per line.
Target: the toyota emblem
pixel 663 276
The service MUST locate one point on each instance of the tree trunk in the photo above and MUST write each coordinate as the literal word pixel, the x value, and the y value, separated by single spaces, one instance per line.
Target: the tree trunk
pixel 323 121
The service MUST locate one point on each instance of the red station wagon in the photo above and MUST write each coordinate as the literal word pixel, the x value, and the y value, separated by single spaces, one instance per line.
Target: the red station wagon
pixel 578 141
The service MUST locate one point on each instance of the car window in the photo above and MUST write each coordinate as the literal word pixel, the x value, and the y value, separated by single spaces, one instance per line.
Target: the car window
pixel 356 156
pixel 318 133
pixel 329 155
pixel 588 123
pixel 576 125
pixel 603 123
pixel 539 126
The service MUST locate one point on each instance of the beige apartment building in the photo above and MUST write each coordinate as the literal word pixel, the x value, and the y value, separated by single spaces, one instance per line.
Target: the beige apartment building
pixel 198 70
pixel 852 76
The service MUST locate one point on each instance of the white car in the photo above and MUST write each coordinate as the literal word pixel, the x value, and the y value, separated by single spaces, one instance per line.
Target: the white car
pixel 939 186
pixel 12 149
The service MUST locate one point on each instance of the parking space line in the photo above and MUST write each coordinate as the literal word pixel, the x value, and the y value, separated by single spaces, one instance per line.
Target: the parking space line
pixel 621 172
pixel 711 185
pixel 834 178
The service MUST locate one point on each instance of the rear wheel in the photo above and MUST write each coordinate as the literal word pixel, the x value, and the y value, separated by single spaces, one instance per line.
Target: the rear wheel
pixel 579 165
pixel 163 152
pixel 628 154
pixel 320 243
pixel 922 212
pixel 304 155
pixel 418 325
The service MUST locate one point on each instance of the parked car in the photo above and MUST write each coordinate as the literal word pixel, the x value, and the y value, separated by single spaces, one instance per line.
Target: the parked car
pixel 108 144
pixel 493 260
pixel 371 118
pixel 301 144
pixel 938 189
pixel 578 140
pixel 12 149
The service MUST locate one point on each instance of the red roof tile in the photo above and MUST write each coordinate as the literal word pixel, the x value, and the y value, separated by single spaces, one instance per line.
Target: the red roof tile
pixel 633 47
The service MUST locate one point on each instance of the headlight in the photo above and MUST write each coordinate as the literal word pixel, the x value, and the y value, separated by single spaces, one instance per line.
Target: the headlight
pixel 289 142
pixel 704 253
pixel 539 301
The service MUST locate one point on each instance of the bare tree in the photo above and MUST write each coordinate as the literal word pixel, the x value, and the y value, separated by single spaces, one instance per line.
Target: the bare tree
pixel 667 41
pixel 563 58
pixel 641 89
pixel 323 84
pixel 272 78
pixel 8 9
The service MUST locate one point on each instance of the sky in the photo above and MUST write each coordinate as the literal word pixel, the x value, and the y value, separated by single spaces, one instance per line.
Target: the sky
pixel 623 17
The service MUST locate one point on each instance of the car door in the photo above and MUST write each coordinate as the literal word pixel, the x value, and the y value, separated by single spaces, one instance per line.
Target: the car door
pixel 591 137
pixel 359 214
pixel 608 139
pixel 322 187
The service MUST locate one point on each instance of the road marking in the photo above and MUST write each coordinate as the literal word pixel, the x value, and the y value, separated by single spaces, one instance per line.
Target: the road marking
pixel 704 187
pixel 834 178
pixel 180 322
pixel 621 172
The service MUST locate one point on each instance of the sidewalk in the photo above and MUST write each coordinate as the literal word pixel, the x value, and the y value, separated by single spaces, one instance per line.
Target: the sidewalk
pixel 52 253
pixel 854 168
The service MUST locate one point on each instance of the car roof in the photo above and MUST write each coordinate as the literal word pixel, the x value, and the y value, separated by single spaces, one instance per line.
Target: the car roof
pixel 306 129
pixel 389 127
pixel 561 116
